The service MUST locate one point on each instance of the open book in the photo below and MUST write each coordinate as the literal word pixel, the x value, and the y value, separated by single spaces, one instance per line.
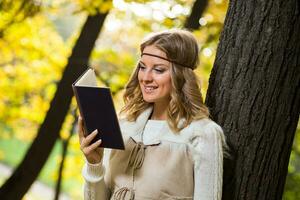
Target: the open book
pixel 97 110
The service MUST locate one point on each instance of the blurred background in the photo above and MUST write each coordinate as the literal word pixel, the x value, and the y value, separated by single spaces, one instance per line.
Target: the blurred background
pixel 36 40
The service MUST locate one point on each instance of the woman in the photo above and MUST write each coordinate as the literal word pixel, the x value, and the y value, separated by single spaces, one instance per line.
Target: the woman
pixel 173 150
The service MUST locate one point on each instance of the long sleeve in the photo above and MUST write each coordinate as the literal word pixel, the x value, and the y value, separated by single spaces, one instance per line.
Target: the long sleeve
pixel 207 145
pixel 95 187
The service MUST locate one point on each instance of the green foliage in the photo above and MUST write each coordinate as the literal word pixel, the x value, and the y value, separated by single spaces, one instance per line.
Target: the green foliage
pixel 29 72
pixel 292 189
pixel 107 62
pixel 12 12
pixel 94 6
pixel 208 38
pixel 157 15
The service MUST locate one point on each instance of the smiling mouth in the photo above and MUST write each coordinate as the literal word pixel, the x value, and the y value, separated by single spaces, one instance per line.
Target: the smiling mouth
pixel 149 89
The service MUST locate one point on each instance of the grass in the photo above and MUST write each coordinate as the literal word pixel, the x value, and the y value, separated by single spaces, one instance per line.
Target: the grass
pixel 12 151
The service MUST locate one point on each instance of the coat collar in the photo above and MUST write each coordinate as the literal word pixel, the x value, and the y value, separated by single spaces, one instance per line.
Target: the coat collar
pixel 137 126
pixel 135 129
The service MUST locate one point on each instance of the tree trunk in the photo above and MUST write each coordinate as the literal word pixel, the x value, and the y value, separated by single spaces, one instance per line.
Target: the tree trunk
pixel 192 22
pixel 254 94
pixel 22 178
pixel 65 144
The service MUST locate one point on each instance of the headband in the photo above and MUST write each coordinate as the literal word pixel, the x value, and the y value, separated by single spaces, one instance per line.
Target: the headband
pixel 172 61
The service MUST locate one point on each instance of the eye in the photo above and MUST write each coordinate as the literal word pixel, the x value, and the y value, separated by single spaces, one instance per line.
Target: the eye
pixel 159 70
pixel 142 67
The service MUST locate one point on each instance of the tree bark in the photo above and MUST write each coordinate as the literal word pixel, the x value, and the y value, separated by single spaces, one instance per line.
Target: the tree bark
pixel 192 22
pixel 22 178
pixel 254 94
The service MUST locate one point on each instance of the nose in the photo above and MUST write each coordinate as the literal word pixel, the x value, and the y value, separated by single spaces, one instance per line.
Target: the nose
pixel 147 76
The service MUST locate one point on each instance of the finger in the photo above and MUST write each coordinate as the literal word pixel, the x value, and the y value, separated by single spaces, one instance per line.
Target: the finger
pixel 80 128
pixel 80 132
pixel 86 141
pixel 92 147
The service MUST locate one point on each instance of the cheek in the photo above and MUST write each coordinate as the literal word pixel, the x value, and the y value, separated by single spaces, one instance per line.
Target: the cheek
pixel 166 83
pixel 139 77
pixel 169 86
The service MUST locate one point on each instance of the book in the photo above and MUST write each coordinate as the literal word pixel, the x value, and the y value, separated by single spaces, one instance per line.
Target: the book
pixel 97 110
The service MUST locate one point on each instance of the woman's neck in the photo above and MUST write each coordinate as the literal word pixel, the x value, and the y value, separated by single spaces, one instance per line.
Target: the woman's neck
pixel 159 111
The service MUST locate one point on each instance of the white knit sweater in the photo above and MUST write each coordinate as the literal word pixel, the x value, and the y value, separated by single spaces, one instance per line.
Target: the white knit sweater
pixel 204 138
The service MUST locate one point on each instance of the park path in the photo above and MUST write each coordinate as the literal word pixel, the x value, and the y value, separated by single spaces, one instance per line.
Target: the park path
pixel 37 191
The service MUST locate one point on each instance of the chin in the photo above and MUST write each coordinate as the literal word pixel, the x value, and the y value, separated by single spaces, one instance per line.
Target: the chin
pixel 148 100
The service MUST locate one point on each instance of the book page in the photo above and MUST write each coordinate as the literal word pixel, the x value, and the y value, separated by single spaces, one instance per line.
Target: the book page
pixel 88 79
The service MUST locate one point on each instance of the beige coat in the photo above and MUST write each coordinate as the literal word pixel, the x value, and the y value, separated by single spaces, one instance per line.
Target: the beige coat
pixel 182 166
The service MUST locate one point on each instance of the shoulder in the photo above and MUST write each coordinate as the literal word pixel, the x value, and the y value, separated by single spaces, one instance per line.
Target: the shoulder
pixel 206 125
pixel 123 122
pixel 206 129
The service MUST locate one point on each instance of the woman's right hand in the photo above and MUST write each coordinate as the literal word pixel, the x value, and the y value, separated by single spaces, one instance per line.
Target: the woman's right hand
pixel 92 152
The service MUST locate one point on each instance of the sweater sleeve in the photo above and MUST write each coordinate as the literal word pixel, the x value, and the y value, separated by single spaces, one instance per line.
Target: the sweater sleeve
pixel 95 187
pixel 207 152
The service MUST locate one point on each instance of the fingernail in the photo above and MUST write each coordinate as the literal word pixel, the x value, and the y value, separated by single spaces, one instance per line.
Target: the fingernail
pixel 99 141
pixel 96 131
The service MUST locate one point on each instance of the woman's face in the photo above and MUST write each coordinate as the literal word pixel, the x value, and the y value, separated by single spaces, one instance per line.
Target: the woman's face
pixel 155 76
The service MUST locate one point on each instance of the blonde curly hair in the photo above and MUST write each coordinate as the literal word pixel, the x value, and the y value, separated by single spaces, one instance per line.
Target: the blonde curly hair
pixel 186 101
